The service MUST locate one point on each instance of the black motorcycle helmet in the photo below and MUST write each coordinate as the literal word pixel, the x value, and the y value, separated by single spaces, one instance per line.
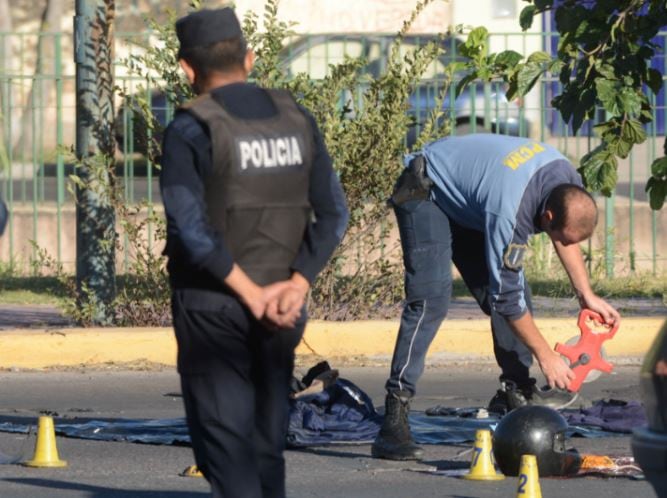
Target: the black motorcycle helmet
pixel 533 430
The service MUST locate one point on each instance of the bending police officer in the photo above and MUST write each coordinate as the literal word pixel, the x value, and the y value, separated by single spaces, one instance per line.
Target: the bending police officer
pixel 475 200
pixel 254 210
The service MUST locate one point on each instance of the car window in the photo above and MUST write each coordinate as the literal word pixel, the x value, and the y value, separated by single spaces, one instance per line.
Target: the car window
pixel 314 60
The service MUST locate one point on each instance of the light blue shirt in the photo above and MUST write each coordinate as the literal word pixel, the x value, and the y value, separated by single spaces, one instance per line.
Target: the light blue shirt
pixel 485 182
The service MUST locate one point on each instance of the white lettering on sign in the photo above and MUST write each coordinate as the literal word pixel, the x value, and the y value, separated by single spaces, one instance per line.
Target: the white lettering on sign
pixel 270 152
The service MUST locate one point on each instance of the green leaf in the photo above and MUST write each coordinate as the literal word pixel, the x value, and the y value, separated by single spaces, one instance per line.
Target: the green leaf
pixel 556 66
pixel 603 129
pixel 484 73
pixel 460 86
pixel 599 170
pixel 657 190
pixel 605 70
pixel 508 59
pixel 659 167
pixel 526 17
pixel 631 101
pixel 527 77
pixel 633 131
pixel 607 92
pixel 512 89
pixel 581 29
pixel 620 147
pixel 608 176
pixel 654 80
pixel 566 103
pixel 539 57
pixel 455 67
pixel 476 42
pixel 567 20
pixel 646 114
pixel 581 110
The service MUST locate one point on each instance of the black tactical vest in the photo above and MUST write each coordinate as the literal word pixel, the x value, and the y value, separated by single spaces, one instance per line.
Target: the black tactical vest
pixel 257 194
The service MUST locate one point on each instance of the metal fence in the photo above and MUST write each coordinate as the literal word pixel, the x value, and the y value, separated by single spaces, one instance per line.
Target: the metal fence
pixel 37 130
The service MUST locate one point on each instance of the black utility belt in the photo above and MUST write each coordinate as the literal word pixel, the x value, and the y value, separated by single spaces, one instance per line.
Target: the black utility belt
pixel 413 183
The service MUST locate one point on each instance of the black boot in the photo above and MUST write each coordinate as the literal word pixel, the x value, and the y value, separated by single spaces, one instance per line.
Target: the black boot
pixel 509 397
pixel 394 441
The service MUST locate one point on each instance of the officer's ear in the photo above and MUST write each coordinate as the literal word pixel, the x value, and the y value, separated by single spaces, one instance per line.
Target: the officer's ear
pixel 249 61
pixel 187 69
pixel 547 219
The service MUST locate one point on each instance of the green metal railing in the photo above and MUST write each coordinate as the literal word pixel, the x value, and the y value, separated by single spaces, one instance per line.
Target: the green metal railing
pixel 38 129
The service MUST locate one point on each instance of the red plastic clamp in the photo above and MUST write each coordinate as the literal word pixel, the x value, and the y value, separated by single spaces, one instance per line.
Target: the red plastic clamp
pixel 585 355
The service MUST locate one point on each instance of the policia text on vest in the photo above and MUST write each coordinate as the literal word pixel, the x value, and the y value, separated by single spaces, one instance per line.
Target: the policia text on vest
pixel 259 153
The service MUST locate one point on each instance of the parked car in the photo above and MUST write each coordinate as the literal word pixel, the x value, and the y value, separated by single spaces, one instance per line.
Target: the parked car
pixel 649 445
pixel 479 108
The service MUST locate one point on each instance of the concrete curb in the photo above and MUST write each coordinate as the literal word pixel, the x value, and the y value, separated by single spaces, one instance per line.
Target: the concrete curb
pixel 39 349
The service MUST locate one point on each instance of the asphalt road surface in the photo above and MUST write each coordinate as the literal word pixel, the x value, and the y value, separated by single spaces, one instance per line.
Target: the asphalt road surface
pixel 126 470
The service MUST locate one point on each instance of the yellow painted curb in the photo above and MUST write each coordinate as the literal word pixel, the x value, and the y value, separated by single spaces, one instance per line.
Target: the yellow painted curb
pixel 71 347
pixel 464 337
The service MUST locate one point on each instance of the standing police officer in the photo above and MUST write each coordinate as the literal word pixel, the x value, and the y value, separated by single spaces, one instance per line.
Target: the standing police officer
pixel 254 211
pixel 475 201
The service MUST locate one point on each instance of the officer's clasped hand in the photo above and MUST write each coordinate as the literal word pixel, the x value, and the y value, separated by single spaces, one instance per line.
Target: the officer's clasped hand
pixel 283 302
pixel 285 309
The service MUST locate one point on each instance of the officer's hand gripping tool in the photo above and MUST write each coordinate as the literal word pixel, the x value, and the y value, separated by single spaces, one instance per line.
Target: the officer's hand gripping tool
pixel 587 353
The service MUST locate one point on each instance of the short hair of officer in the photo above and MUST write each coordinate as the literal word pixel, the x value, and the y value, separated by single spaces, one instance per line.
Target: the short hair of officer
pixel 574 213
pixel 223 57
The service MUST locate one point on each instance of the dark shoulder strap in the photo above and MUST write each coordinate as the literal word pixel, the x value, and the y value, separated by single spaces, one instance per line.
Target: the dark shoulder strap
pixel 204 107
pixel 282 98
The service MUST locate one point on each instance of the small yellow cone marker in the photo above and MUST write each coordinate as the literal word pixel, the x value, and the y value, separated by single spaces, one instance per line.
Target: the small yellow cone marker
pixel 46 453
pixel 481 467
pixel 529 479
pixel 192 471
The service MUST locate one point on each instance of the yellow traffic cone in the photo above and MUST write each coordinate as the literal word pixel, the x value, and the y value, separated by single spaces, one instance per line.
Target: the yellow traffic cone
pixel 192 471
pixel 46 453
pixel 529 478
pixel 481 467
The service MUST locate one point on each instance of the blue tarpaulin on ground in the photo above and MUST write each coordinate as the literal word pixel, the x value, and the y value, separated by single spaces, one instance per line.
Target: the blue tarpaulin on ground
pixel 343 413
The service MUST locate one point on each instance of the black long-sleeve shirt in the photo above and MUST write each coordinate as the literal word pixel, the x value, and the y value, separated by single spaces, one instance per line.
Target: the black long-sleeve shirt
pixel 198 256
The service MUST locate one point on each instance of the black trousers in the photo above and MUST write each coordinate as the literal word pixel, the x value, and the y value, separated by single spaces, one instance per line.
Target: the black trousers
pixel 235 377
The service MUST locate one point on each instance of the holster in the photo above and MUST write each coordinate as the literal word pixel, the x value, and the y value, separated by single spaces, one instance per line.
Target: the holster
pixel 412 184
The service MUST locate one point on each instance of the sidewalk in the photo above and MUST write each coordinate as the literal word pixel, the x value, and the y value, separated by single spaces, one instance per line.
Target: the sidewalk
pixel 38 338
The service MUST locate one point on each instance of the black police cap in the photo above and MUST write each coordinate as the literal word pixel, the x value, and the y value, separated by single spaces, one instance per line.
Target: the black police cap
pixel 207 26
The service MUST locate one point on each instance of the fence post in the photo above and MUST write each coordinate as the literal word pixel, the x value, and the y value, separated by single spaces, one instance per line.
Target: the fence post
pixel 95 216
pixel 609 234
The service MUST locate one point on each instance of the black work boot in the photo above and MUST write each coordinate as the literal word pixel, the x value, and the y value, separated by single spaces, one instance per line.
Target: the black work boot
pixel 394 441
pixel 508 397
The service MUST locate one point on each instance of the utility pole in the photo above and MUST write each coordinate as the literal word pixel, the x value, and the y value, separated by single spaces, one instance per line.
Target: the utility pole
pixel 95 214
